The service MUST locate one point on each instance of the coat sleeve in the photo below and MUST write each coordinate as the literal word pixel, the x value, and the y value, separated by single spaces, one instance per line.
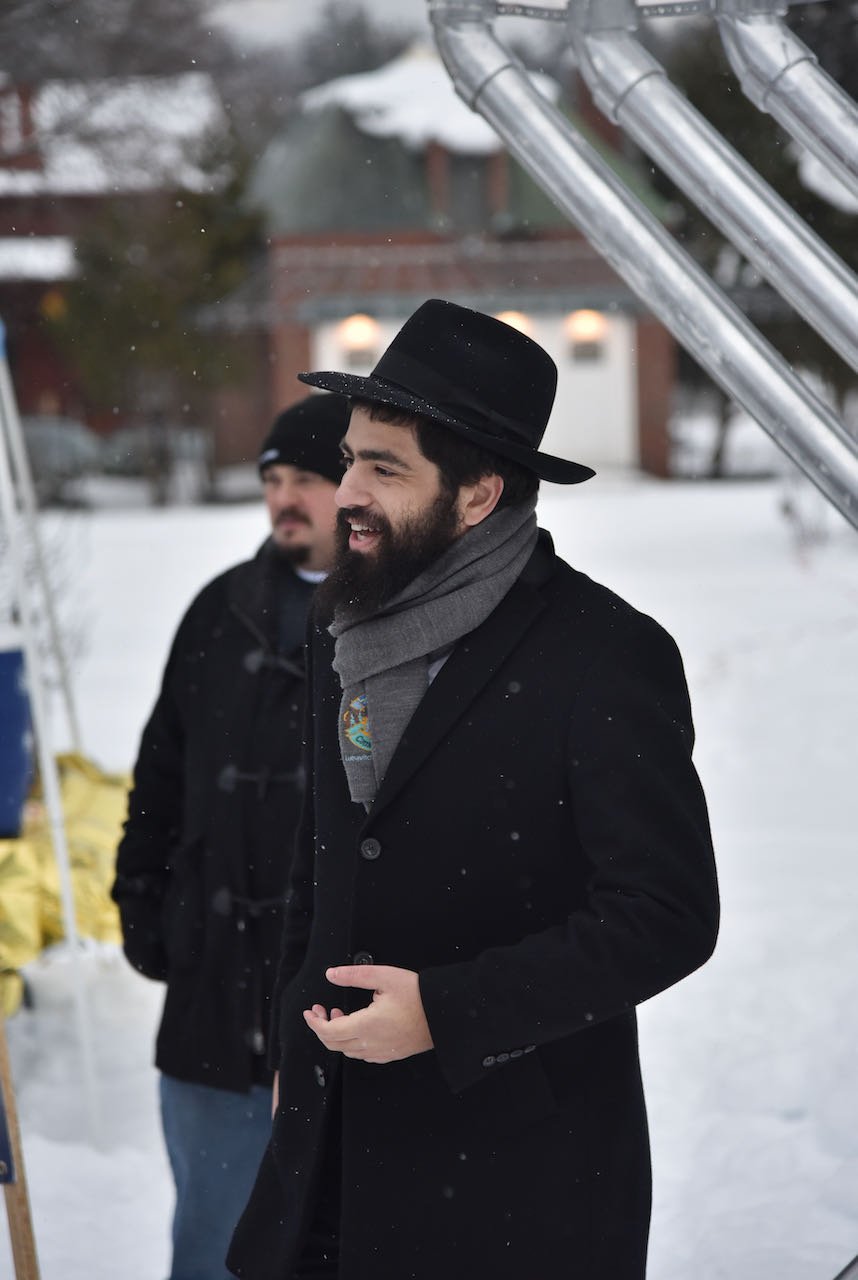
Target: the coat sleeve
pixel 651 910
pixel 155 809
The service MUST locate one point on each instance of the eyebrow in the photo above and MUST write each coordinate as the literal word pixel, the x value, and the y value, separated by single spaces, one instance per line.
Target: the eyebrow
pixel 376 455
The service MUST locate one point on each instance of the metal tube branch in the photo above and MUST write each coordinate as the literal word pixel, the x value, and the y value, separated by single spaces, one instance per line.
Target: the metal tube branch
pixel 781 76
pixel 632 88
pixel 677 291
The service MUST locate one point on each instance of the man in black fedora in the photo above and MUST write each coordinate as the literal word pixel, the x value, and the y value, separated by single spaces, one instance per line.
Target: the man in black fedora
pixel 504 848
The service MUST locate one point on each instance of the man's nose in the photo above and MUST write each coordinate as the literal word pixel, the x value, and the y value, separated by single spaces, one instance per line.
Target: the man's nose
pixel 350 492
pixel 289 495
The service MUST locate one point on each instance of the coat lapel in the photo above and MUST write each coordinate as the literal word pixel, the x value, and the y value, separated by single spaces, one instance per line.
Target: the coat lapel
pixel 466 672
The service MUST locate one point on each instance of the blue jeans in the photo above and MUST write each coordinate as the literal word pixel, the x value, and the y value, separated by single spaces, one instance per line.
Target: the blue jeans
pixel 215 1140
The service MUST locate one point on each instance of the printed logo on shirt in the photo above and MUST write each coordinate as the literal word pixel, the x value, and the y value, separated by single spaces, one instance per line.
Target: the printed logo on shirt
pixel 356 724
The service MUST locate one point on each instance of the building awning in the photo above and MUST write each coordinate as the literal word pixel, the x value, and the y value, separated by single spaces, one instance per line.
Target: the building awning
pixel 308 284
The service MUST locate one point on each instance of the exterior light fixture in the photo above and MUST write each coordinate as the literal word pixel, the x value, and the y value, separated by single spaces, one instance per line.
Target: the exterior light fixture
pixel 358 335
pixel 586 332
pixel 53 306
pixel 516 320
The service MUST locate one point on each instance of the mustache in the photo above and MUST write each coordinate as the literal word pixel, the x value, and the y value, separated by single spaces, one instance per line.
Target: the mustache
pixel 375 523
pixel 290 513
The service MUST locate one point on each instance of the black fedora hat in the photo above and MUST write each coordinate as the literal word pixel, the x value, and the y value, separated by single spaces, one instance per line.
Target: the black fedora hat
pixel 482 378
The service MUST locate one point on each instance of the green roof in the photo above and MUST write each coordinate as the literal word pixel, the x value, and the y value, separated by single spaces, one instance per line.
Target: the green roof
pixel 326 175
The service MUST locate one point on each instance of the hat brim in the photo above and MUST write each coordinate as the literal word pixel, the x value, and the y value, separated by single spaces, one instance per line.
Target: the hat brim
pixel 545 465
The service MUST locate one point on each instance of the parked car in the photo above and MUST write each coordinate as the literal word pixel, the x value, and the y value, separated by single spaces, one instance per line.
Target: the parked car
pixel 61 451
pixel 138 450
pixel 175 459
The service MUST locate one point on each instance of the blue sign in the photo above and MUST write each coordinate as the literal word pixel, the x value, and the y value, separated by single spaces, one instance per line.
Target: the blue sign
pixel 15 741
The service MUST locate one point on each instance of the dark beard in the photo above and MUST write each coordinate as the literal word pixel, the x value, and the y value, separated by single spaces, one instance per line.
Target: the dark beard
pixel 360 585
pixel 294 557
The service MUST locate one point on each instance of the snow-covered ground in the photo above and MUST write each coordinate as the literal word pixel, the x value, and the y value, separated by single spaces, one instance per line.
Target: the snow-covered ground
pixel 749 1064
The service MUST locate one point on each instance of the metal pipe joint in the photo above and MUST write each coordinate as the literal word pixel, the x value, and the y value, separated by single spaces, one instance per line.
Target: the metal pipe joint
pixel 780 75
pixel 467 46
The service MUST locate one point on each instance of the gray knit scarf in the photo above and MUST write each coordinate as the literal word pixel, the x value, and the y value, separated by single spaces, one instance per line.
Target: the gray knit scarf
pixel 383 661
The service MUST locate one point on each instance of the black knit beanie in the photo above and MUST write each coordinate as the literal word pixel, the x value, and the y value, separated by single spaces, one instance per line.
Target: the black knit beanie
pixel 308 435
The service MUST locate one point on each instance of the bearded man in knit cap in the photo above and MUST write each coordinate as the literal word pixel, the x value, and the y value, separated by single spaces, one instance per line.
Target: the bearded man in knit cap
pixel 204 861
pixel 504 848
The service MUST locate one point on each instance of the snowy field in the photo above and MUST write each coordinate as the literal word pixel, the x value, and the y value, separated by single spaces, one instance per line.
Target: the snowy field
pixel 750 1064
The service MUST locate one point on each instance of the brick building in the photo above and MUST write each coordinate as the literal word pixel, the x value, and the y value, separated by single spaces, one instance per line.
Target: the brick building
pixel 388 190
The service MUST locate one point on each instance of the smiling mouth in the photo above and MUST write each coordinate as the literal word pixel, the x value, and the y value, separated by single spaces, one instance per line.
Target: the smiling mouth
pixel 362 534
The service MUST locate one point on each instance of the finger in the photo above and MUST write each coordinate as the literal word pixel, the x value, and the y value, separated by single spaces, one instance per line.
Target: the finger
pixel 318 1015
pixel 370 977
pixel 315 1023
pixel 321 1012
pixel 334 1033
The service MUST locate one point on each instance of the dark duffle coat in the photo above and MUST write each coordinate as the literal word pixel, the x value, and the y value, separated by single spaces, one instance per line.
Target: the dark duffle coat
pixel 539 852
pixel 203 864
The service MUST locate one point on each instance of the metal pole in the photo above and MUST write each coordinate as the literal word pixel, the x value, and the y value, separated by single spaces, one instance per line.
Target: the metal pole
pixel 677 291
pixel 632 88
pixel 780 75
pixel 11 423
pixel 47 765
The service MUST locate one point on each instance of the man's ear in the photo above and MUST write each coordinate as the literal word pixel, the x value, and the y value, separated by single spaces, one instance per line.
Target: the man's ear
pixel 476 501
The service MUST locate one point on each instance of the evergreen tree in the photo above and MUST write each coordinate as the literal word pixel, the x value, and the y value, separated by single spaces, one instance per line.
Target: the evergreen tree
pixel 149 266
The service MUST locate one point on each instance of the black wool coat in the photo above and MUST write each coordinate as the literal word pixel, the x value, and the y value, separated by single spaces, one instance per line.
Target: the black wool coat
pixel 203 864
pixel 539 852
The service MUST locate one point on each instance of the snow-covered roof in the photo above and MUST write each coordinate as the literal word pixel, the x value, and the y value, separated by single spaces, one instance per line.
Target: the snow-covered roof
pixel 413 99
pixel 36 258
pixel 133 134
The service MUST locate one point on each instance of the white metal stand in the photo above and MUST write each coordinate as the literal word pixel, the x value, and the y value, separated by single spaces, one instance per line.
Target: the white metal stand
pixel 15 474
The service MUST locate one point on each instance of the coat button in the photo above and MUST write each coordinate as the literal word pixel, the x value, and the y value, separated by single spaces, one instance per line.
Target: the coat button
pixel 362 957
pixel 489 1060
pixel 321 1078
pixel 370 849
pixel 502 1057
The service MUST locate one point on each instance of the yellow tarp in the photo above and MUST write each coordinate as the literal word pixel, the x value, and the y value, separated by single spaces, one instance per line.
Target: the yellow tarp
pixel 94 807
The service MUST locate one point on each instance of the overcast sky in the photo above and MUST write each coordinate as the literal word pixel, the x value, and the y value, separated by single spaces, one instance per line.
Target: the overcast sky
pixel 264 21
pixel 267 20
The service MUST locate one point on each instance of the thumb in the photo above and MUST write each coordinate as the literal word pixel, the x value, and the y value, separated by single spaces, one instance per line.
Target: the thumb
pixel 370 977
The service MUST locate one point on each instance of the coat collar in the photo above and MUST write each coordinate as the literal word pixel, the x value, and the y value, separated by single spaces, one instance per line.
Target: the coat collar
pixel 466 672
pixel 253 594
